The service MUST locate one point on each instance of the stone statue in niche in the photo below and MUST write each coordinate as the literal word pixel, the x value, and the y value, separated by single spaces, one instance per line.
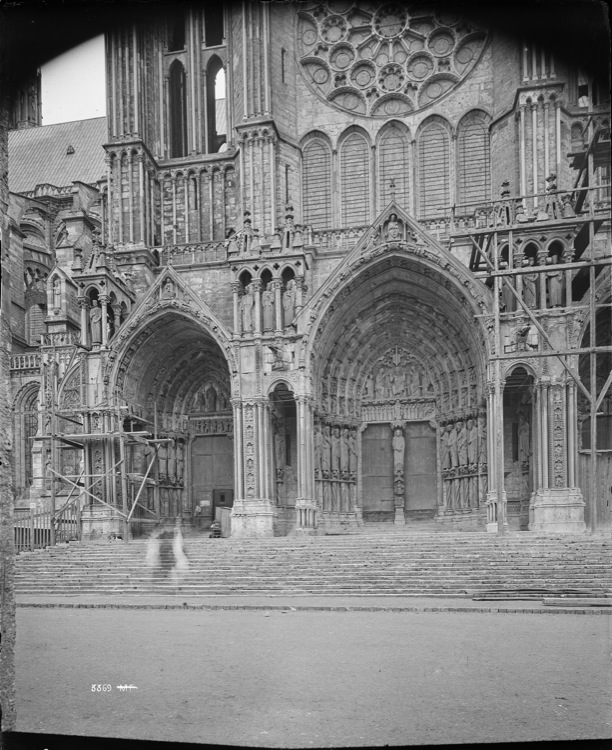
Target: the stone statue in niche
pixel 267 302
pixel 172 461
pixel 95 322
pixel 246 303
pixel 398 444
pixel 335 452
pixel 162 461
pixel 555 285
pixel 289 302
pixel 318 448
pixel 451 442
pixel 180 461
pixel 168 291
pixel 380 385
pixel 57 294
pixel 344 454
pixel 530 281
pixel 462 450
pixel 352 444
pixel 394 229
pixel 210 399
pixel 247 233
pixel 325 450
pixel 524 441
pixel 482 441
pixel 472 442
pixel 279 452
pixel 446 453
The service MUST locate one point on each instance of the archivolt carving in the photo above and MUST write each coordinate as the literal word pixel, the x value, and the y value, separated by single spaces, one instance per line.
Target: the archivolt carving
pixel 168 294
pixel 437 266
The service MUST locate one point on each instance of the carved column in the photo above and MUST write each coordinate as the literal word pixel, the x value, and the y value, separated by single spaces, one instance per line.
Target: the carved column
pixel 542 280
pixel 109 203
pixel 236 289
pixel 299 294
pixel 519 257
pixel 174 226
pixel 142 223
pixel 252 515
pixel 83 303
pixel 131 195
pixel 546 138
pixel 559 452
pixel 495 456
pixel 440 500
pixel 264 449
pixel 186 181
pixel 277 286
pixel 119 167
pixel 567 258
pixel 162 224
pixel 544 446
pixel 305 509
pixel 571 433
pixel 257 284
pixel 557 506
pixel 359 489
pixel 238 451
pixel 251 437
pixel 557 132
pixel 534 151
pixel 398 444
pixel 104 306
pixel 523 165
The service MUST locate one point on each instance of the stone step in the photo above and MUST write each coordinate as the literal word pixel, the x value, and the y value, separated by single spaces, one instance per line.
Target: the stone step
pixel 438 564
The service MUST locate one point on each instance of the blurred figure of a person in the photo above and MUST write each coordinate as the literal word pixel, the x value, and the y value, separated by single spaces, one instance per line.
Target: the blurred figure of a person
pixel 180 563
pixel 166 554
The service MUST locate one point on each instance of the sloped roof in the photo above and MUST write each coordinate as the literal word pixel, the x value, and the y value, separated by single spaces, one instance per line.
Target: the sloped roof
pixel 38 155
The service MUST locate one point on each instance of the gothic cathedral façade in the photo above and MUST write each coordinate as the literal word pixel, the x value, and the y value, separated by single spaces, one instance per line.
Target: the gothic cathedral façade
pixel 321 265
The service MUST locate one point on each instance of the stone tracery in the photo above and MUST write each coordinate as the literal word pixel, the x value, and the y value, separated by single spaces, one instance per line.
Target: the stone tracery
pixel 384 60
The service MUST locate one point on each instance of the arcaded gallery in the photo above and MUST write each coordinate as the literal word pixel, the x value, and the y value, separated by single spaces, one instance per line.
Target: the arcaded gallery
pixel 322 265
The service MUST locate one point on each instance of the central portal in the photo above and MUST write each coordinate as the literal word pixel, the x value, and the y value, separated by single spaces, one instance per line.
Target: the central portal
pixel 399 423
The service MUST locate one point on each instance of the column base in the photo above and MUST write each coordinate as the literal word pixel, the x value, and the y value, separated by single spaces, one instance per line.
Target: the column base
pixel 252 519
pixel 400 518
pixel 557 511
pixel 492 525
pixel 99 522
pixel 305 517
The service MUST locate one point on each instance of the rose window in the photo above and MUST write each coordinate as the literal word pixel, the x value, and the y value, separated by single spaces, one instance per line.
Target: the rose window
pixel 385 60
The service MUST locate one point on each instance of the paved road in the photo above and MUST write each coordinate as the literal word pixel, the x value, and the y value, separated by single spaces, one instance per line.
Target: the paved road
pixel 300 678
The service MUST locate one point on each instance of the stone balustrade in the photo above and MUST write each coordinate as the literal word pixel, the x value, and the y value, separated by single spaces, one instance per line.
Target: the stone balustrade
pixel 25 362
pixel 192 253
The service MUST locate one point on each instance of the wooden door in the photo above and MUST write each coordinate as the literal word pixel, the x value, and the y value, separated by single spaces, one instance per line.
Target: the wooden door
pixel 377 473
pixel 420 471
pixel 212 468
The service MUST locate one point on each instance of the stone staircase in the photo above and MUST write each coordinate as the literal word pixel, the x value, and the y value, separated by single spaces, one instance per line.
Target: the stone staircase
pixel 370 563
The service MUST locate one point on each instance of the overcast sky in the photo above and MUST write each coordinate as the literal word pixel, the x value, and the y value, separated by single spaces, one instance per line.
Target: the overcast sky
pixel 73 85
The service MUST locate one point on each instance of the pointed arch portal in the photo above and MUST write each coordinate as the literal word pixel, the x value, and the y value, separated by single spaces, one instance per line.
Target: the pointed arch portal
pixel 400 415
pixel 175 379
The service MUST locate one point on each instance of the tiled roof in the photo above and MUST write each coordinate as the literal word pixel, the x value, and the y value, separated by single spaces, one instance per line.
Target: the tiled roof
pixel 38 155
